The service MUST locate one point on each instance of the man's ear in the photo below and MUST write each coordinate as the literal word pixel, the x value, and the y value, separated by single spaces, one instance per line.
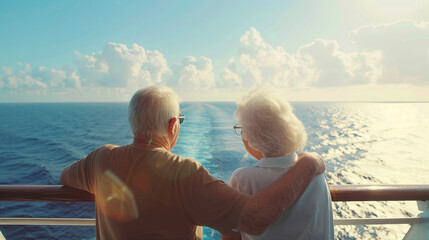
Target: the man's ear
pixel 172 127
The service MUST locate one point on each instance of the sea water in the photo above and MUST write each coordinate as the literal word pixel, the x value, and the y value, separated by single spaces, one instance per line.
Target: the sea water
pixel 362 143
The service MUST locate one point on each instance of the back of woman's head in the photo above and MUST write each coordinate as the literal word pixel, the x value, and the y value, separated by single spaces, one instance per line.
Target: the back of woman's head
pixel 151 109
pixel 269 124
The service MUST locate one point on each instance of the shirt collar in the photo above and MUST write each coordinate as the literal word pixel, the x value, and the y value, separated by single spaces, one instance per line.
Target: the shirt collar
pixel 283 161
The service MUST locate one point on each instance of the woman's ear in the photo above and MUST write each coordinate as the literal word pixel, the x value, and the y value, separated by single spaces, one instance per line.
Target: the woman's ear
pixel 255 153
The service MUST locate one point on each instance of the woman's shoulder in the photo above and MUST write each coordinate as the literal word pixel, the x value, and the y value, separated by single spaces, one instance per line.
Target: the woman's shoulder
pixel 244 172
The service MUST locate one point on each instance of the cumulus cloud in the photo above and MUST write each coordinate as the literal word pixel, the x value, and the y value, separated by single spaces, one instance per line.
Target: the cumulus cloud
pixel 261 62
pixel 229 77
pixel 21 79
pixel 404 47
pixel 115 66
pixel 119 66
pixel 39 78
pixel 51 77
pixel 388 54
pixel 195 73
pixel 320 63
pixel 72 79
pixel 8 70
pixel 332 67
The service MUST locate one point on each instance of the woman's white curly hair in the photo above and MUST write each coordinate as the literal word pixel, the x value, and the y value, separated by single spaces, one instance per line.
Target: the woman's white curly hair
pixel 269 124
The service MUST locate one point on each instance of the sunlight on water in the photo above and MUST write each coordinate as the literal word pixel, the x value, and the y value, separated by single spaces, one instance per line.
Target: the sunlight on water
pixel 382 143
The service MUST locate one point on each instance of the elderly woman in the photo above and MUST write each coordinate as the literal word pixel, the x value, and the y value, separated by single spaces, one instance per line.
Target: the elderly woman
pixel 272 134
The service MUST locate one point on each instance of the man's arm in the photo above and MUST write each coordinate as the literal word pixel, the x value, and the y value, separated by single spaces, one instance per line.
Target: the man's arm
pixel 76 176
pixel 262 209
pixel 80 174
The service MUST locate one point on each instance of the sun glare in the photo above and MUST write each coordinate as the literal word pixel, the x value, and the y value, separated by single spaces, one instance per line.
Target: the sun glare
pixel 395 9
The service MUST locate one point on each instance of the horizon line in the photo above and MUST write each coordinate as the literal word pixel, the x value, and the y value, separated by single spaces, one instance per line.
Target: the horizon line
pixel 47 102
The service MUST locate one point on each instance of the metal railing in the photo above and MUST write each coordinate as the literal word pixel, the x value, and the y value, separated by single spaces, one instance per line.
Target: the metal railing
pixel 339 193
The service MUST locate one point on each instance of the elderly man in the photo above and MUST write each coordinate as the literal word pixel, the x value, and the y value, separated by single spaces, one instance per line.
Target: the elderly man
pixel 144 191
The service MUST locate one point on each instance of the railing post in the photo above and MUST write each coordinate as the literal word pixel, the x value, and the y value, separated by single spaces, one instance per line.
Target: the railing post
pixel 420 230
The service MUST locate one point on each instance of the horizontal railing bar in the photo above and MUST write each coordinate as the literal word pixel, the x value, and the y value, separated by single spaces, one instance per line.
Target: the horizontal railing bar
pixel 378 221
pixel 43 193
pixel 338 193
pixel 91 221
pixel 379 192
pixel 48 221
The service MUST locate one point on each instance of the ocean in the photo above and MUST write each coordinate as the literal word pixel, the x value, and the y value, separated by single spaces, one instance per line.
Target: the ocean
pixel 362 143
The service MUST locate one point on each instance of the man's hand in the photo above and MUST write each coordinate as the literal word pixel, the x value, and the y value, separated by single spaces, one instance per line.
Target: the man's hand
pixel 314 157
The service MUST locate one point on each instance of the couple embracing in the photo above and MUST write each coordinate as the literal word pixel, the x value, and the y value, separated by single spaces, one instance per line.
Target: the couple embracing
pixel 144 191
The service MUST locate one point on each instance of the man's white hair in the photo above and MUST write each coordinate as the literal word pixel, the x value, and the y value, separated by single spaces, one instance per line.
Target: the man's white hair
pixel 269 124
pixel 151 109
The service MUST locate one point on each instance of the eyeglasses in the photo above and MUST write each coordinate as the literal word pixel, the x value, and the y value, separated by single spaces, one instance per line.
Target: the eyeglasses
pixel 237 129
pixel 181 118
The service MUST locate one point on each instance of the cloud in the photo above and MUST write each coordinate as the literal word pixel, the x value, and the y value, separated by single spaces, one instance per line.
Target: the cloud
pixel 122 67
pixel 320 63
pixel 261 62
pixel 333 67
pixel 404 47
pixel 119 66
pixel 39 78
pixel 72 79
pixel 8 70
pixel 116 66
pixel 195 73
pixel 229 78
pixel 21 79
pixel 396 53
pixel 51 77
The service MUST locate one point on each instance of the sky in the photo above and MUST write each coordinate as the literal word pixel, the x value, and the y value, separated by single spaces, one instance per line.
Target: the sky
pixel 104 51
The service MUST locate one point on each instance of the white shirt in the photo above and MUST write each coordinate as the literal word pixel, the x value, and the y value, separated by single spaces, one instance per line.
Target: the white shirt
pixel 311 215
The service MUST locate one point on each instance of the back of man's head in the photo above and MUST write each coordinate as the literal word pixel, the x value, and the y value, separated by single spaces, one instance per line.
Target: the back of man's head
pixel 151 109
